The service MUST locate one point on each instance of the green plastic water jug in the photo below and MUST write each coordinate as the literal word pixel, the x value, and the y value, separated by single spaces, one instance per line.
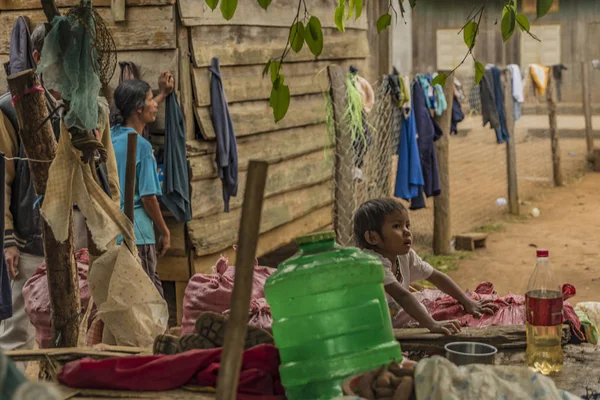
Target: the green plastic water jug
pixel 330 317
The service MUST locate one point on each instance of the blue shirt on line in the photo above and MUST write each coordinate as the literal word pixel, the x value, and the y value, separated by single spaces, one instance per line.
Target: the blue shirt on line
pixel 146 180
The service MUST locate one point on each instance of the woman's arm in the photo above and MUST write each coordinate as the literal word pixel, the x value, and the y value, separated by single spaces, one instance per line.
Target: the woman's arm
pixel 153 209
pixel 408 302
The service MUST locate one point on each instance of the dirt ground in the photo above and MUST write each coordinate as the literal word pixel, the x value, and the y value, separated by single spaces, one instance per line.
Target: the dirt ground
pixel 569 226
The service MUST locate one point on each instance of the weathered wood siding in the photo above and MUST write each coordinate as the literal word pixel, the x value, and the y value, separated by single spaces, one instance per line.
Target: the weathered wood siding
pixel 580 32
pixel 298 193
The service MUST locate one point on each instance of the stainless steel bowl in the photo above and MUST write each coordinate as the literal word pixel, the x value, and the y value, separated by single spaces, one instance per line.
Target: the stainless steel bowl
pixel 464 353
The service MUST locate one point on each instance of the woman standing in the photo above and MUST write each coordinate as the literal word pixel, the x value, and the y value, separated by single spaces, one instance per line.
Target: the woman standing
pixel 136 106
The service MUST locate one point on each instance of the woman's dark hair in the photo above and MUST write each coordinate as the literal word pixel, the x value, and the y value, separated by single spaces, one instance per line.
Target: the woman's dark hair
pixel 130 96
pixel 370 217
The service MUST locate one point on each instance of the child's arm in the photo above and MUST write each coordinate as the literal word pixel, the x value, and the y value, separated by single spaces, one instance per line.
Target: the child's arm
pixel 416 311
pixel 448 286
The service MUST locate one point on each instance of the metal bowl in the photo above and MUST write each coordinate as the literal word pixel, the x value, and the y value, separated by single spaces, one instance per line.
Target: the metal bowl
pixel 464 353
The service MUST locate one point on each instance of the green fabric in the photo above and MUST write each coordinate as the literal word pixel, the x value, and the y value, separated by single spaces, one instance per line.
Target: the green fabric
pixel 69 65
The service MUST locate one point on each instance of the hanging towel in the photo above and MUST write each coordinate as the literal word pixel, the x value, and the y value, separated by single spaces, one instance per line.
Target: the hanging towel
pixel 227 158
pixel 502 131
pixel 441 103
pixel 21 48
pixel 540 75
pixel 176 190
pixel 517 90
pixel 409 177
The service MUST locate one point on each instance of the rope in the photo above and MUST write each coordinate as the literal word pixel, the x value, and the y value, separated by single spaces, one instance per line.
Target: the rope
pixel 32 89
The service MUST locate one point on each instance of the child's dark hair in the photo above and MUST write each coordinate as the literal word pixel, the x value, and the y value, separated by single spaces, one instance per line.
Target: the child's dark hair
pixel 129 96
pixel 370 217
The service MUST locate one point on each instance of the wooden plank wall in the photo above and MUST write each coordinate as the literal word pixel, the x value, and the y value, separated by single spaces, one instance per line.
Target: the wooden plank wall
pixel 299 188
pixel 147 37
pixel 575 18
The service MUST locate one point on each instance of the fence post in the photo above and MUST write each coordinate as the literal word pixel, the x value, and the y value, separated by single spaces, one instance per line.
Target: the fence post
pixel 556 172
pixel 344 160
pixel 442 229
pixel 587 105
pixel 511 151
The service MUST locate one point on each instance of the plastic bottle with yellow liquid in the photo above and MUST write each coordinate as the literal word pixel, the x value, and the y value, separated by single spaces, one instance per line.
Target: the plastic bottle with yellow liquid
pixel 544 308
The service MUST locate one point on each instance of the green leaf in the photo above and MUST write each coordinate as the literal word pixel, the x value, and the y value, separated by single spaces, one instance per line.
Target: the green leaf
pixel 358 9
pixel 401 5
pixel 275 68
pixel 439 80
pixel 470 33
pixel 280 99
pixel 267 68
pixel 297 36
pixel 479 71
pixel 228 8
pixel 508 22
pixel 413 3
pixel 313 35
pixel 383 22
pixel 523 22
pixel 212 3
pixel 351 7
pixel 264 3
pixel 543 6
pixel 339 17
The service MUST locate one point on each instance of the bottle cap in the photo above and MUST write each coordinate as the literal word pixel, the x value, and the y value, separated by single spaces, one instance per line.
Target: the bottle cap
pixel 315 237
pixel 542 253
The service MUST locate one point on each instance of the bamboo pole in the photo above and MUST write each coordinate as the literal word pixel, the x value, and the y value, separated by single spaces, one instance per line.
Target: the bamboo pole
pixel 511 151
pixel 556 170
pixel 442 225
pixel 40 144
pixel 587 105
pixel 235 334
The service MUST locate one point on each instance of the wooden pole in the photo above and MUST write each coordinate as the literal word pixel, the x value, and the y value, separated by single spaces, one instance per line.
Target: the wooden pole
pixel 40 144
pixel 556 171
pixel 442 228
pixel 587 105
pixel 343 208
pixel 235 334
pixel 130 174
pixel 511 151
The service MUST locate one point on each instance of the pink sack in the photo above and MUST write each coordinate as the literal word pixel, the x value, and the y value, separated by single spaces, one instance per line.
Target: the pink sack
pixel 37 298
pixel 260 314
pixel 212 292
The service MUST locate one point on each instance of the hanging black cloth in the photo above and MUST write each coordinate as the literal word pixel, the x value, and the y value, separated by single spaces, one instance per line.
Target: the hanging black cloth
pixel 557 71
pixel 457 115
pixel 227 159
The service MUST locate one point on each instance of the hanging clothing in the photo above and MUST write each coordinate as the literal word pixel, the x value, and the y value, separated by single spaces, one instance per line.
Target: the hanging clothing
pixel 176 185
pixel 409 177
pixel 457 115
pixel 539 75
pixel 428 90
pixel 441 104
pixel 406 91
pixel 489 112
pixel 517 90
pixel 227 157
pixel 366 92
pixel 428 132
pixel 557 75
pixel 458 91
pixel 501 132
pixel 21 48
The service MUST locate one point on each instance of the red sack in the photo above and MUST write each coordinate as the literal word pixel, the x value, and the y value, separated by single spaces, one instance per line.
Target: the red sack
pixel 259 376
pixel 212 292
pixel 37 298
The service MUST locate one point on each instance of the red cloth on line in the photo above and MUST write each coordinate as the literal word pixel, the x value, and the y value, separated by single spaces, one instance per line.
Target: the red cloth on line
pixel 259 378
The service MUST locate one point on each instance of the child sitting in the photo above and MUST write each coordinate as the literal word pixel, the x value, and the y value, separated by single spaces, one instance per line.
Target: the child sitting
pixel 382 228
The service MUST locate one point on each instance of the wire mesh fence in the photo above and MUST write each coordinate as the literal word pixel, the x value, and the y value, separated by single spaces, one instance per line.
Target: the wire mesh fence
pixel 477 165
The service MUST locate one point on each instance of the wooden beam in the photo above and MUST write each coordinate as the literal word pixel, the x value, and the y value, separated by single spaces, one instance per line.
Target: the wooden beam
pixel 279 14
pixel 587 105
pixel 146 28
pixel 313 222
pixel 219 231
pixel 306 170
pixel 14 5
pixel 186 97
pixel 442 225
pixel 72 353
pixel 511 150
pixel 178 238
pixel 174 269
pixel 248 45
pixel 344 158
pixel 556 169
pixel 118 10
pixel 39 142
pixel 271 146
pixel 253 117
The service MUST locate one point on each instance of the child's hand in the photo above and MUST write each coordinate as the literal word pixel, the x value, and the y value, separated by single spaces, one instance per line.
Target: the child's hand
pixel 445 327
pixel 478 308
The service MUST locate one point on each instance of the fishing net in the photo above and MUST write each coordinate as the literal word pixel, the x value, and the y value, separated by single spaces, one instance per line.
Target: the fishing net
pixel 78 55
